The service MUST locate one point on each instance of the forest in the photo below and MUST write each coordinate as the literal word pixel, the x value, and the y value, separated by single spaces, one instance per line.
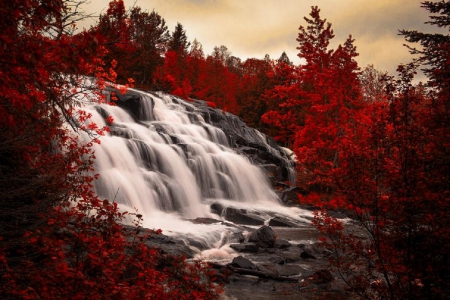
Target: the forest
pixel 373 144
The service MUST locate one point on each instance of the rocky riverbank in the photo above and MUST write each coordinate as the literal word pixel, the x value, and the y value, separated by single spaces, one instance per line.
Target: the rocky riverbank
pixel 259 248
pixel 266 262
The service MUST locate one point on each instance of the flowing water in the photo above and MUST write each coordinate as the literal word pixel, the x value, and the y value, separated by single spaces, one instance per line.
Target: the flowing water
pixel 169 165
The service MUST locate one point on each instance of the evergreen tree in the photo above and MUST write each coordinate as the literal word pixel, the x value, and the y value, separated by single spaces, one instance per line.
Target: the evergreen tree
pixel 284 59
pixel 178 41
pixel 150 35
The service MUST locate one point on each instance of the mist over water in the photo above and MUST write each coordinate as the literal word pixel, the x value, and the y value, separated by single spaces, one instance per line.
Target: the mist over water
pixel 169 165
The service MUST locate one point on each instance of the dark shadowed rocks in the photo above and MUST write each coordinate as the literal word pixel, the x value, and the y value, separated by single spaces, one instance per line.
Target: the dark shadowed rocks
pixel 244 263
pixel 245 247
pixel 264 237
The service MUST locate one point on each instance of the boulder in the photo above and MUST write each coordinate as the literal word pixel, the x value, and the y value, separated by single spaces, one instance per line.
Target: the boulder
pixel 282 222
pixel 307 254
pixel 131 101
pixel 217 208
pixel 245 247
pixel 240 216
pixel 264 237
pixel 313 251
pixel 168 245
pixel 282 244
pixel 243 263
pixel 290 255
pixel 237 236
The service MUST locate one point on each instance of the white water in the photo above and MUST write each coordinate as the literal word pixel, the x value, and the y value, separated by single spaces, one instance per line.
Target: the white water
pixel 171 165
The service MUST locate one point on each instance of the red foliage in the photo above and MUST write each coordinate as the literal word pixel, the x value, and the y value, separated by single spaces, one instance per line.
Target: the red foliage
pixel 58 240
pixel 284 103
pixel 384 162
pixel 386 182
pixel 211 104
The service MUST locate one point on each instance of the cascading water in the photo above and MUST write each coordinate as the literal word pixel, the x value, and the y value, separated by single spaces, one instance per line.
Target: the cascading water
pixel 165 161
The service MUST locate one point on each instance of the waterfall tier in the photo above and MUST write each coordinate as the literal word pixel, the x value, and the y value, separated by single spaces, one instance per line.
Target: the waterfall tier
pixel 170 160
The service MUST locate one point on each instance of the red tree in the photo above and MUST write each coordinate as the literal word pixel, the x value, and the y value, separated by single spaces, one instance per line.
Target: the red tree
pixel 284 102
pixel 58 240
pixel 330 118
pixel 253 81
pixel 394 181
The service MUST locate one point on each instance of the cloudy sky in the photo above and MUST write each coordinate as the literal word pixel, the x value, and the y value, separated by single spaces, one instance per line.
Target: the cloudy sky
pixel 253 28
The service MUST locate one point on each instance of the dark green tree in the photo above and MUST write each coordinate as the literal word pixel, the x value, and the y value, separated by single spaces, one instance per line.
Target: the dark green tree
pixel 284 59
pixel 178 41
pixel 150 36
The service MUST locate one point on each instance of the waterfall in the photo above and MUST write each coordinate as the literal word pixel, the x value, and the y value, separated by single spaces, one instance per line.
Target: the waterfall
pixel 165 161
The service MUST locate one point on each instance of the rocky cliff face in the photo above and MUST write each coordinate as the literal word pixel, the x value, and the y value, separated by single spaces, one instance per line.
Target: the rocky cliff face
pixel 258 147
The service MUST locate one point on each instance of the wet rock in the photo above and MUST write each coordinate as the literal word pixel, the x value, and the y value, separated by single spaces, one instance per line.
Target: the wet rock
pixel 244 263
pixel 245 247
pixel 313 251
pixel 270 250
pixel 282 244
pixel 240 216
pixel 247 150
pixel 290 255
pixel 264 237
pixel 217 208
pixel 290 195
pixel 237 236
pixel 272 170
pixel 275 259
pixel 205 221
pixel 268 268
pixel 307 254
pixel 200 245
pixel 282 222
pixel 259 148
pixel 131 101
pixel 288 270
pixel 169 245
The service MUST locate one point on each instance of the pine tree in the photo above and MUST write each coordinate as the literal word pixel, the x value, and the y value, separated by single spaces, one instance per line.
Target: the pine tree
pixel 150 35
pixel 178 41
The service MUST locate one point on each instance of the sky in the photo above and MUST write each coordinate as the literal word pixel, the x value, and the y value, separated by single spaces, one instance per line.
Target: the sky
pixel 253 28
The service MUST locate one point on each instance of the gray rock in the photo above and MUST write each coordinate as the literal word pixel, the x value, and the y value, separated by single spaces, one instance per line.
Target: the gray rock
pixel 245 247
pixel 267 268
pixel 307 254
pixel 242 262
pixel 237 237
pixel 282 222
pixel 205 221
pixel 169 245
pixel 313 251
pixel 240 216
pixel 277 260
pixel 282 244
pixel 291 258
pixel 264 237
pixel 217 208
pixel 288 270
